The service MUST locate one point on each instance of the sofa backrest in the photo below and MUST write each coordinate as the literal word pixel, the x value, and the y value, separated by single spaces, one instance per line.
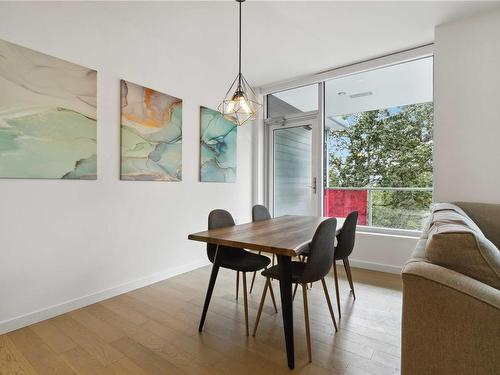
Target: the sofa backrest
pixel 486 216
pixel 453 240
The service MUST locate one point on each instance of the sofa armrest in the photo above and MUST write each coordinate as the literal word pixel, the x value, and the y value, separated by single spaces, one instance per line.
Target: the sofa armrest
pixel 451 323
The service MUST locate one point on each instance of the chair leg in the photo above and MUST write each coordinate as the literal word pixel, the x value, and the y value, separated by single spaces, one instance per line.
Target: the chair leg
pixel 262 299
pixel 294 292
pixel 272 296
pixel 237 283
pixel 245 301
pixel 302 259
pixel 347 267
pixel 306 319
pixel 327 296
pixel 253 279
pixel 336 286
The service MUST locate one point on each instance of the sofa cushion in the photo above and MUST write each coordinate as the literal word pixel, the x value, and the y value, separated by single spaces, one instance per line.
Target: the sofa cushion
pixel 453 217
pixel 463 248
pixel 447 207
pixel 447 213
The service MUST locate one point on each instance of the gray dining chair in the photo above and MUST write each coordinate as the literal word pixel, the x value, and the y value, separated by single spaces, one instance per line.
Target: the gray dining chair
pixel 260 213
pixel 232 258
pixel 344 248
pixel 316 268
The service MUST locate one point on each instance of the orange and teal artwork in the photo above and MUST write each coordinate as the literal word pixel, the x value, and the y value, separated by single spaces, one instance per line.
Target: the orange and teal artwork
pixel 151 134
pixel 48 116
pixel 218 140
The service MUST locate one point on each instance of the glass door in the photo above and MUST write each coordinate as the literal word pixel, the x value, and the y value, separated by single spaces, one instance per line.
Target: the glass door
pixel 293 169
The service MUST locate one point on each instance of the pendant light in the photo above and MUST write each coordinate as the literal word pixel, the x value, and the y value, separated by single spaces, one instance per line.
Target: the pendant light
pixel 240 103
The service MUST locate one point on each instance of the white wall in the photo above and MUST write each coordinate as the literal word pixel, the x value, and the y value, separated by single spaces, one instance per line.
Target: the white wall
pixel 69 243
pixel 466 129
pixel 467 110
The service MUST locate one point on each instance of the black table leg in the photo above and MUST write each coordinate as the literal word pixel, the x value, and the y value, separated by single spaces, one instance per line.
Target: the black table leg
pixel 285 264
pixel 211 284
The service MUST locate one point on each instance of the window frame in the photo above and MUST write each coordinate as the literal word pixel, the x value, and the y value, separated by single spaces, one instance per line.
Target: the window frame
pixel 320 78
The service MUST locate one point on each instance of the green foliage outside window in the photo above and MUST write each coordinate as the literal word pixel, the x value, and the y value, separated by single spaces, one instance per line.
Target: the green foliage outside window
pixel 388 148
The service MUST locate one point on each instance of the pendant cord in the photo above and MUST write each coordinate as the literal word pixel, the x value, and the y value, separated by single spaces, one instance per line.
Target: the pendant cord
pixel 239 52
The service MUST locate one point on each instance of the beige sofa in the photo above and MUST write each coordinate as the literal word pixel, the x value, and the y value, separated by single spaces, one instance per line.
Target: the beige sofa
pixel 451 293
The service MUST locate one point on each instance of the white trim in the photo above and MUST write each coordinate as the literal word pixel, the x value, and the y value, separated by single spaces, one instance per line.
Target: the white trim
pixel 375 266
pixel 342 71
pixel 52 311
pixel 389 231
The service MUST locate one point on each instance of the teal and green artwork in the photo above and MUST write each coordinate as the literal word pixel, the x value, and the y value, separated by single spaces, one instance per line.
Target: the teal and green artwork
pixel 48 126
pixel 217 147
pixel 151 134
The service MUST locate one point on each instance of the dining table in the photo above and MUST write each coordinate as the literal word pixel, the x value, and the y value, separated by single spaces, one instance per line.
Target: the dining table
pixel 286 236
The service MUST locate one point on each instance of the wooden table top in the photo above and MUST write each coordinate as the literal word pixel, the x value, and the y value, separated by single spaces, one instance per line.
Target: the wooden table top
pixel 284 235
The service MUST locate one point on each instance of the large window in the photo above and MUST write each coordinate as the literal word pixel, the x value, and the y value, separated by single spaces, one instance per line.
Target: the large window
pixel 369 143
pixel 378 145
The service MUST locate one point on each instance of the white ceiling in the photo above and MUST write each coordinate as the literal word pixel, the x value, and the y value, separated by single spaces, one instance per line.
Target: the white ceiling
pixel 283 40
pixel 396 85
pixel 300 38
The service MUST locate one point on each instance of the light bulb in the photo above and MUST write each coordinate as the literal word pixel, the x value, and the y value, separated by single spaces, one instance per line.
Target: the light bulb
pixel 244 105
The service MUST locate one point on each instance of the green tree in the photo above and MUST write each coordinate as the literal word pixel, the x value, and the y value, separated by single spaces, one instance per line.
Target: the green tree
pixel 387 148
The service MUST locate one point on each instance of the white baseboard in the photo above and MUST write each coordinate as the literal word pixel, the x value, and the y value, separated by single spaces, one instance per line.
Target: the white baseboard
pixel 375 266
pixel 52 311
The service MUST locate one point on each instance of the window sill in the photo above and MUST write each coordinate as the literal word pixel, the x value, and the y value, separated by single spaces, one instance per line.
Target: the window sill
pixel 389 231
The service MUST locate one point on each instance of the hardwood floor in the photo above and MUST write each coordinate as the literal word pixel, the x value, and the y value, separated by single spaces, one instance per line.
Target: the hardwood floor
pixel 154 330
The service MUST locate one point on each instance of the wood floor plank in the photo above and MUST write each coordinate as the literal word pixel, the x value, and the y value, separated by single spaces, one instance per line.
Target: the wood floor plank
pixel 85 364
pixel 105 331
pixel 114 305
pixel 53 336
pixel 89 341
pixel 153 330
pixel 12 361
pixel 126 367
pixel 113 319
pixel 387 359
pixel 184 346
pixel 38 353
pixel 163 345
pixel 145 358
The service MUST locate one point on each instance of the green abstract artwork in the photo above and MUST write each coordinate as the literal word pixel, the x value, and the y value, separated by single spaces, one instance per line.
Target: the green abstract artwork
pixel 151 133
pixel 48 126
pixel 218 140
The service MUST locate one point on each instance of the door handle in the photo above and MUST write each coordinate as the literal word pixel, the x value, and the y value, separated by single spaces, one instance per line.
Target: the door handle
pixel 314 185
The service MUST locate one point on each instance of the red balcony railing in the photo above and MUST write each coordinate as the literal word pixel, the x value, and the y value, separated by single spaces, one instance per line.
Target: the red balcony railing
pixel 410 213
pixel 339 202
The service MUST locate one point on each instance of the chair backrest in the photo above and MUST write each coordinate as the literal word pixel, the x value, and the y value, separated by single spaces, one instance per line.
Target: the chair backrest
pixel 260 212
pixel 218 219
pixel 346 237
pixel 320 259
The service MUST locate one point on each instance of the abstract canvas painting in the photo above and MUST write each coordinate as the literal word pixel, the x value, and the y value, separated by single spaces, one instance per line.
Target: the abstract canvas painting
pixel 217 147
pixel 151 133
pixel 48 126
